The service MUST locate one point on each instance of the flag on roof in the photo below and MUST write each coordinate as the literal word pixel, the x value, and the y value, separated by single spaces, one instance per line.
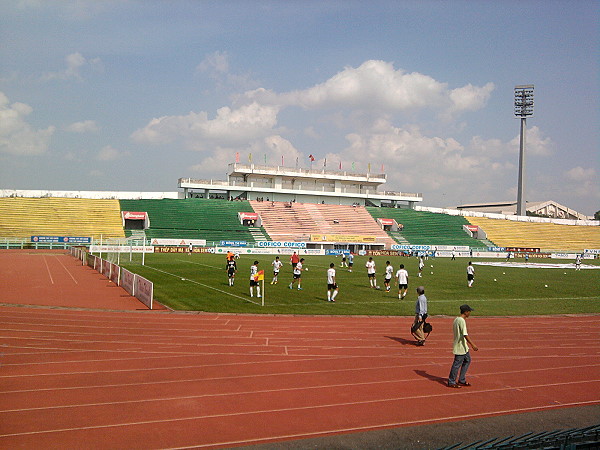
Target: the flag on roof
pixel 311 157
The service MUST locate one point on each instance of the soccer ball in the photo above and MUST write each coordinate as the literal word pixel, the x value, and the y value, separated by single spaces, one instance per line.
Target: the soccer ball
pixel 378 287
pixel 495 279
pixel 306 269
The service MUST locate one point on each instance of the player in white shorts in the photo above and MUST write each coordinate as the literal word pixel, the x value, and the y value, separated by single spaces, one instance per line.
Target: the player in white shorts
pixel 332 287
pixel 402 277
pixel 370 265
pixel 277 265
pixel 389 273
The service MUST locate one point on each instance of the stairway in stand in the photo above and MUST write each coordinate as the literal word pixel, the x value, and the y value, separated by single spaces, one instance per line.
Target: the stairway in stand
pixel 258 234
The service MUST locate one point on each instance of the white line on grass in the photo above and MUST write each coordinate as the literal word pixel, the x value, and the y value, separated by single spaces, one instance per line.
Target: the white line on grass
pixel 200 264
pixel 204 285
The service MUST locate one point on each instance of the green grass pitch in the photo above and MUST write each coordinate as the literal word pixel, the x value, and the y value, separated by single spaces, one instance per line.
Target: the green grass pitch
pixel 198 282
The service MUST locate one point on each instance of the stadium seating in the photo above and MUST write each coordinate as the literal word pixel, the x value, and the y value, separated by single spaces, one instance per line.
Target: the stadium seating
pixel 54 216
pixel 427 228
pixel 297 221
pixel 193 218
pixel 546 236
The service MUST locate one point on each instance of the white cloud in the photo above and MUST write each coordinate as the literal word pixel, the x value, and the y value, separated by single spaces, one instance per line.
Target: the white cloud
pixel 75 63
pixel 85 126
pixel 17 137
pixel 535 143
pixel 470 98
pixel 216 66
pixel 583 182
pixel 109 153
pixel 376 85
pixel 230 127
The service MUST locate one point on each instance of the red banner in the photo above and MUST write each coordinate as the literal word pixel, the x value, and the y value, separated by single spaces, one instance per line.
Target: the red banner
pixel 132 215
pixel 248 216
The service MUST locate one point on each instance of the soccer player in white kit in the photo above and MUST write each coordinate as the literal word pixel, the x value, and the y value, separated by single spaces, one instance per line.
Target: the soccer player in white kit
pixel 332 287
pixel 470 274
pixel 370 265
pixel 402 277
pixel 277 265
pixel 389 273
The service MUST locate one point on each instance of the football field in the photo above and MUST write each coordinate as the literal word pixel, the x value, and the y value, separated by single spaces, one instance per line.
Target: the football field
pixel 199 282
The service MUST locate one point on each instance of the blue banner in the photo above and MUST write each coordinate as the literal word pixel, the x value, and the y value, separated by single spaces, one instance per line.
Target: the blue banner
pixel 62 239
pixel 233 243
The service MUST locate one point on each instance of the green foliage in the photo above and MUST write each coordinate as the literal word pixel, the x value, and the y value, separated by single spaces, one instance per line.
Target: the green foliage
pixel 517 291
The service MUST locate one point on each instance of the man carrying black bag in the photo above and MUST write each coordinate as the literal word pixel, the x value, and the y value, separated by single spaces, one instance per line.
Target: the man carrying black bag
pixel 419 326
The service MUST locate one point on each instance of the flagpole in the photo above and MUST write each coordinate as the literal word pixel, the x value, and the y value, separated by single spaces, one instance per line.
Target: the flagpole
pixel 263 292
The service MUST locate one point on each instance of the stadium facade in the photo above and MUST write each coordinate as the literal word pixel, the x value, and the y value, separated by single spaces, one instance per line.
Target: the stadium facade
pixel 285 184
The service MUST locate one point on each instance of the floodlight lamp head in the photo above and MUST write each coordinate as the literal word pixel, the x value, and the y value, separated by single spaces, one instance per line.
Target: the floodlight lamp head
pixel 524 100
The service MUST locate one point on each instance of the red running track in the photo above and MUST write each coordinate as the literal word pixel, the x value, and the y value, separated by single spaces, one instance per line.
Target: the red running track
pixel 167 380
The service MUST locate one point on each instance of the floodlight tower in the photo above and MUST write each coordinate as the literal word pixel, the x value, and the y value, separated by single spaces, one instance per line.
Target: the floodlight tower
pixel 523 109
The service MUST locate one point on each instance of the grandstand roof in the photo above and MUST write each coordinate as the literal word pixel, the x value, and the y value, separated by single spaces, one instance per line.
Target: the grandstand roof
pixel 548 208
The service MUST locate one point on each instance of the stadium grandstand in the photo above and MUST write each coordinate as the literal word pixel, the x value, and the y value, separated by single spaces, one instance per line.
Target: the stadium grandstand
pixel 324 209
pixel 26 217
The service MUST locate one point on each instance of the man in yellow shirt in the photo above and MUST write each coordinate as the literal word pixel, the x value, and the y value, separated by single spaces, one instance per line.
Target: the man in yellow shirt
pixel 462 358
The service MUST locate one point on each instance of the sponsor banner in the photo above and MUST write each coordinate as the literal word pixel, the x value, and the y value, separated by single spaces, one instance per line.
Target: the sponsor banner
pixel 386 222
pixel 337 252
pixel 311 251
pixel 489 255
pixel 563 255
pixel 233 244
pixel 449 248
pixel 279 244
pixel 522 250
pixel 186 242
pixel 132 215
pixel 537 254
pixel 114 273
pixel 144 291
pixel 121 249
pixel 269 251
pixel 472 228
pixel 382 253
pixel 411 247
pixel 62 239
pixel 127 281
pixel 342 238
pixel 496 249
pixel 447 254
pixel 592 251
pixel 183 250
pixel 248 216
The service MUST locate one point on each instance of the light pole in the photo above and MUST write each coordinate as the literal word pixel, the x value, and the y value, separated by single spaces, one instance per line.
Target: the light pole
pixel 523 108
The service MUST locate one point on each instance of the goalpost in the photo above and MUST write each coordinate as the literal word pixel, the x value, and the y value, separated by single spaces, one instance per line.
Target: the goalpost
pixel 123 251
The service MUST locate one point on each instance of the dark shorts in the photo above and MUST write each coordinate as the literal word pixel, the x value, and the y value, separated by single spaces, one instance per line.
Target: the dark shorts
pixel 231 273
pixel 371 275
pixel 294 265
pixel 297 276
pixel 276 272
pixel 350 264
pixel 387 280
pixel 470 277
pixel 332 286
pixel 253 283
pixel 403 286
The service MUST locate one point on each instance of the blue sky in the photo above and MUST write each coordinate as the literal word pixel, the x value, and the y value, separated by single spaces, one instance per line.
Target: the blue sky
pixel 132 95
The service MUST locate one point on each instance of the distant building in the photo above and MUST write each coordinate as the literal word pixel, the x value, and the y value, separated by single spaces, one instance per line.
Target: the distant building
pixel 548 208
pixel 286 184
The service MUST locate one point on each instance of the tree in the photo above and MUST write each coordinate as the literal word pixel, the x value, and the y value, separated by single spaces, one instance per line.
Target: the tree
pixel 597 215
